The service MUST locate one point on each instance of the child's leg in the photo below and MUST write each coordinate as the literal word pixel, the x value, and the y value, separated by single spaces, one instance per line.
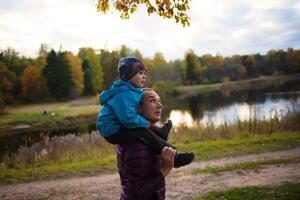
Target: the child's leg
pixel 151 140
pixel 141 135
pixel 163 134
pixel 156 144
pixel 159 132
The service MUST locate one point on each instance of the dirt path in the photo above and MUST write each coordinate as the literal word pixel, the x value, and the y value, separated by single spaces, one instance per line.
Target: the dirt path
pixel 180 185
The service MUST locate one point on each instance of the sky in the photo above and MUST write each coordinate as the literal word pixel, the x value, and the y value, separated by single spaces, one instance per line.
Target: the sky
pixel 225 27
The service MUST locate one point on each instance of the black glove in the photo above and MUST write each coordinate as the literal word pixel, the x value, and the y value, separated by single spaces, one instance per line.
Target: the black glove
pixel 164 131
pixel 167 126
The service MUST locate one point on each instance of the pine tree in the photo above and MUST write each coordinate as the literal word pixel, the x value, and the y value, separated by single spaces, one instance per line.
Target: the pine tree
pixel 95 67
pixel 88 84
pixel 58 75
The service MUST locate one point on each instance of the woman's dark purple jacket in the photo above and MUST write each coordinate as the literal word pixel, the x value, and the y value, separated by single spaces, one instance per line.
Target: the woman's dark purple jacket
pixel 139 173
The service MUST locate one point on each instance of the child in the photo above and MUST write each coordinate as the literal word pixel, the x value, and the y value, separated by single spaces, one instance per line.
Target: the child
pixel 118 121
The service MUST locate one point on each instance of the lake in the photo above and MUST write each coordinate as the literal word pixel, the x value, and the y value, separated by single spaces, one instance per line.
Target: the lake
pixel 228 107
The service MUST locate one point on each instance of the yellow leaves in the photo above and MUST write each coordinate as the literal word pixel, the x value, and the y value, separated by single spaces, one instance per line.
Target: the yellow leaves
pixel 76 72
pixel 103 6
pixel 182 7
pixel 33 84
pixel 165 8
pixel 133 9
pixel 151 9
pixel 125 15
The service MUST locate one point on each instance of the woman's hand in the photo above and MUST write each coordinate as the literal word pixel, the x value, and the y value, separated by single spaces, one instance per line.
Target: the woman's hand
pixel 167 160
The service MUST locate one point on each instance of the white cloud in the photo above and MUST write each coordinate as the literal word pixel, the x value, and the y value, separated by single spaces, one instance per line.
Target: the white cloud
pixel 225 27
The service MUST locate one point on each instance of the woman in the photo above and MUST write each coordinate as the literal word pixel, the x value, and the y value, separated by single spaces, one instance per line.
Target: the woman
pixel 143 173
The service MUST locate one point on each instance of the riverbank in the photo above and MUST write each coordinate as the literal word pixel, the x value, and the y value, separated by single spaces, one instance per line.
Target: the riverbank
pixel 254 83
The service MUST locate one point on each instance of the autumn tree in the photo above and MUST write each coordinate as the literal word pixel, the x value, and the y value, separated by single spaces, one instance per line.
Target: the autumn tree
pixel 40 61
pixel 163 72
pixel 7 83
pixel 159 66
pixel 218 68
pixel 248 61
pixel 230 66
pixel 95 67
pixel 214 68
pixel 125 51
pixel 76 74
pixel 34 87
pixel 2 66
pixel 209 74
pixel 173 72
pixel 14 62
pixel 175 9
pixel 192 67
pixel 137 54
pixel 241 72
pixel 109 62
pixel 293 60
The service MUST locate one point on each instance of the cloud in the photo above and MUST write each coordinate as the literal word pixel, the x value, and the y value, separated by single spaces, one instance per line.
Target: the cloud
pixel 225 27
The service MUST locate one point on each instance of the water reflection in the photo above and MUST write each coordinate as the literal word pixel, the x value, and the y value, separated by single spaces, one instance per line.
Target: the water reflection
pixel 182 118
pixel 228 107
pixel 231 114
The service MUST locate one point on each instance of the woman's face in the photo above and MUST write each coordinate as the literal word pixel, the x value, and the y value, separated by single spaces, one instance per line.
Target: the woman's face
pixel 151 106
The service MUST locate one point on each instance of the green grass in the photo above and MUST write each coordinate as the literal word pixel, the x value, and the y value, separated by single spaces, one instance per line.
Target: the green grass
pixel 204 151
pixel 57 170
pixel 241 145
pixel 37 119
pixel 60 112
pixel 246 165
pixel 283 192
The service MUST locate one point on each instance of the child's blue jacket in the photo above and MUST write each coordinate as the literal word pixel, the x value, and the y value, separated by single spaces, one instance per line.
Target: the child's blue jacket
pixel 120 102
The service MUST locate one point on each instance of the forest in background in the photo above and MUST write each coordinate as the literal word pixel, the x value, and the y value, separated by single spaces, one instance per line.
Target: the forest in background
pixel 61 75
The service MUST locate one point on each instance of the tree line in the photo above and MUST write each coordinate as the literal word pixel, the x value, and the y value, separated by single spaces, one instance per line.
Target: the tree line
pixel 209 69
pixel 55 75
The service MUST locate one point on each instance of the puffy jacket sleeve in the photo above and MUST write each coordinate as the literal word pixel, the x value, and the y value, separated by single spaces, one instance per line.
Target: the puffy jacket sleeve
pixel 139 173
pixel 124 106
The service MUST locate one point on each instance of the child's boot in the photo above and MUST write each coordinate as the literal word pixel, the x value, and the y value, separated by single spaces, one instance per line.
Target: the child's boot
pixel 182 159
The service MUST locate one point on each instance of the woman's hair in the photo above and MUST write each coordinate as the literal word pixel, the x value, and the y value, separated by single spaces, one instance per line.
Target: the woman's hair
pixel 146 89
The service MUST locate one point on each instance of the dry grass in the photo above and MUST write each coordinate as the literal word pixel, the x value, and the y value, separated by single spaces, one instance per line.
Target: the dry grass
pixel 68 148
pixel 279 122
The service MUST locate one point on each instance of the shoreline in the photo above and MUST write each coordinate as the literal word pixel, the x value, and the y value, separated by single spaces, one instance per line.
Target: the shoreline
pixel 253 83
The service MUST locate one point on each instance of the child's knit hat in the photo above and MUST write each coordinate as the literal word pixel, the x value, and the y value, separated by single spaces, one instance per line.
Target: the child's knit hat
pixel 129 66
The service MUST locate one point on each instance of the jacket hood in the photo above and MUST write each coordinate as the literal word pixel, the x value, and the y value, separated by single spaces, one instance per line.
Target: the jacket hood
pixel 117 87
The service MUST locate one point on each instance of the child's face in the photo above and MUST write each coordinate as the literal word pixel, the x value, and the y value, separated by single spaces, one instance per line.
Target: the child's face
pixel 138 79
